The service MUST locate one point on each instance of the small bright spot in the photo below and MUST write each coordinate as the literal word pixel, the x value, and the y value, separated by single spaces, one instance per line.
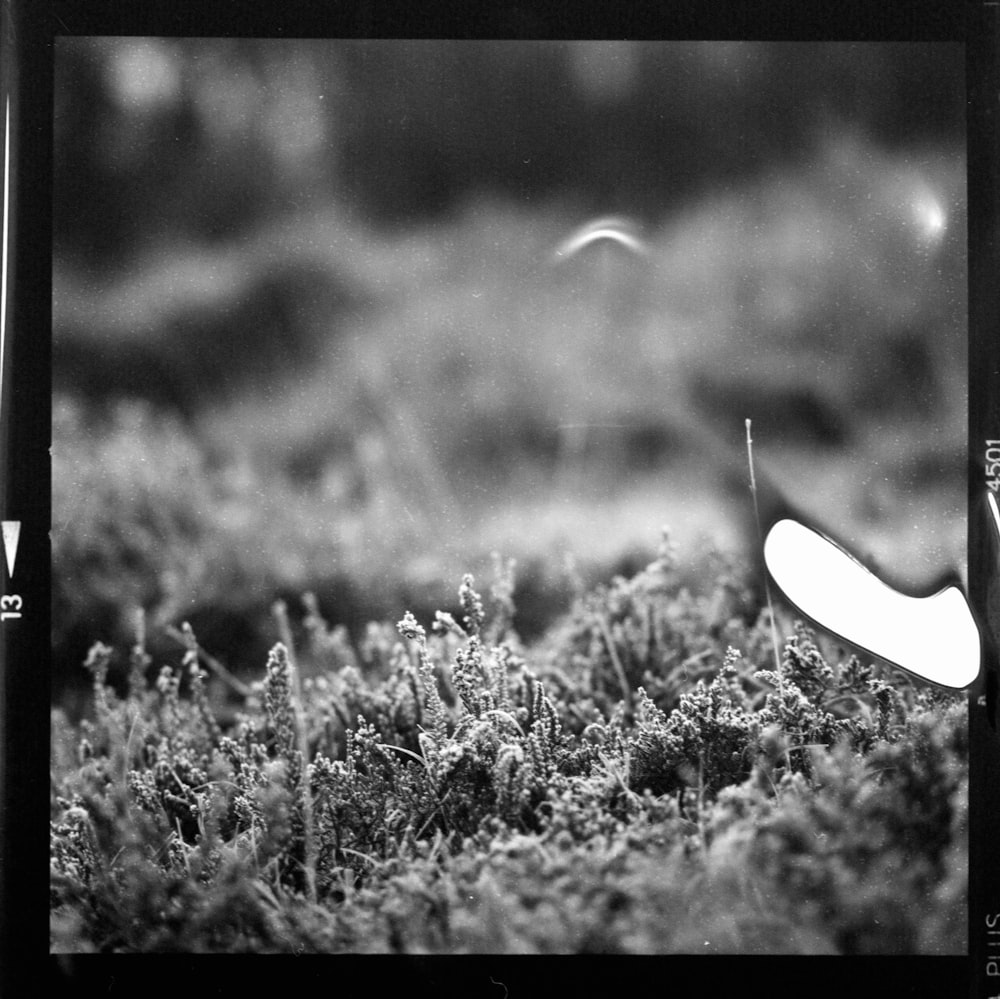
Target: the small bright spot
pixel 930 217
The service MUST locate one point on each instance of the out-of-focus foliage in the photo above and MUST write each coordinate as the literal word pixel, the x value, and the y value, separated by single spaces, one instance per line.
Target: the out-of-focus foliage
pixel 454 792
pixel 217 206
pixel 309 332
pixel 166 138
pixel 484 398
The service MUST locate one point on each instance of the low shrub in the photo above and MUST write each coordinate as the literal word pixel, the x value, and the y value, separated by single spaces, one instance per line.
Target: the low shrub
pixel 634 784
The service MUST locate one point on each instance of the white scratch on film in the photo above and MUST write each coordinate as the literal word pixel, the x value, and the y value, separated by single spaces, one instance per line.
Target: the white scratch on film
pixel 3 264
pixel 991 499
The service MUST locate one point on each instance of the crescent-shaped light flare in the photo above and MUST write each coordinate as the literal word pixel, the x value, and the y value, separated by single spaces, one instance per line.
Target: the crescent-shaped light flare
pixel 618 230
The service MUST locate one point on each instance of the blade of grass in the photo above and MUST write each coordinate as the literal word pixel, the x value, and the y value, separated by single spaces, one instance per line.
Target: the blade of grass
pixel 285 631
pixel 760 541
pixel 211 662
pixel 616 663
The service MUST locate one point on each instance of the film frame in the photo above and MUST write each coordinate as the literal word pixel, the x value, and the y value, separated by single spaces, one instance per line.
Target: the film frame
pixel 24 440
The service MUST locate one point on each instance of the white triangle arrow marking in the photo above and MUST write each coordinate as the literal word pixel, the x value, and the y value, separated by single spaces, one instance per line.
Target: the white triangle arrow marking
pixel 11 533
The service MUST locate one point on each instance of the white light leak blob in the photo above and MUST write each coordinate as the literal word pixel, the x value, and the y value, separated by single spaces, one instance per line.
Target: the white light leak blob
pixel 614 228
pixel 933 637
pixel 144 74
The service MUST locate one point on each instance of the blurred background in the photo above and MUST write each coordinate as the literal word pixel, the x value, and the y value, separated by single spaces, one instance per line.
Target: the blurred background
pixel 311 331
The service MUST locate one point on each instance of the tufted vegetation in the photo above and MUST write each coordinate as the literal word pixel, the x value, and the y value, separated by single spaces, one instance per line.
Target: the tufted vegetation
pixel 634 783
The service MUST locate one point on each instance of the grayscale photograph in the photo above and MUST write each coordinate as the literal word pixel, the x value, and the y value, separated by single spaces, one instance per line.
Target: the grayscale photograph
pixel 419 411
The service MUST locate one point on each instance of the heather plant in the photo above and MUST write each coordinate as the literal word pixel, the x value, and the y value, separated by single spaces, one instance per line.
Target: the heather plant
pixel 448 789
pixel 660 630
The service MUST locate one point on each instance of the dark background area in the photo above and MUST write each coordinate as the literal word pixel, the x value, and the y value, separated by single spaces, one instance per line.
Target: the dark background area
pixel 180 138
pixel 308 332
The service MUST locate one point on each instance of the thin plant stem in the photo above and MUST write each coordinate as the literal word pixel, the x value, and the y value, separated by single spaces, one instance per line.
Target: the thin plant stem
pixel 760 541
pixel 212 663
pixel 616 663
pixel 309 840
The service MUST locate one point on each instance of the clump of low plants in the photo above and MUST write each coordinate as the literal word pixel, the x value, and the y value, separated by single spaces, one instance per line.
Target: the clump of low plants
pixel 440 787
